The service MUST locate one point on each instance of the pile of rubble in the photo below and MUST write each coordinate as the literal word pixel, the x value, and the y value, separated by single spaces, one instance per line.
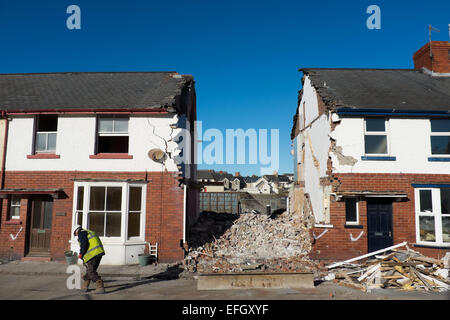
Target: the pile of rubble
pixel 403 269
pixel 251 242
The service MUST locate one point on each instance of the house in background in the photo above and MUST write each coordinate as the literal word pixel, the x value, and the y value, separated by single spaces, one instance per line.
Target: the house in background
pixel 99 150
pixel 372 156
pixel 271 184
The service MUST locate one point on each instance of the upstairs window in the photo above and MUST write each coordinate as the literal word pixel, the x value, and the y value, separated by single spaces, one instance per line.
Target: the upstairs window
pixel 440 136
pixel 45 136
pixel 112 134
pixel 375 137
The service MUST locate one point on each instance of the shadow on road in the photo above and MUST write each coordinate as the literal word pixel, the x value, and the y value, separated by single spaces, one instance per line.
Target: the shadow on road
pixel 172 273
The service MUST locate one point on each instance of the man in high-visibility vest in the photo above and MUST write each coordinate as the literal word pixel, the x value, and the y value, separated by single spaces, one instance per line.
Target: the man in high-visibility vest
pixel 91 252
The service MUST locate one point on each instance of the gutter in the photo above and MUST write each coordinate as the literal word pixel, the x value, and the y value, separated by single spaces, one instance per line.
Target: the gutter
pixel 391 112
pixel 91 111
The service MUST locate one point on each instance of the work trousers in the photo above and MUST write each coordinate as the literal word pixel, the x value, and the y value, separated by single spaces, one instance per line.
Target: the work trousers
pixel 91 269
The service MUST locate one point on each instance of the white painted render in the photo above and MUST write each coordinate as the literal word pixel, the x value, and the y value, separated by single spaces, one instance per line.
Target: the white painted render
pixel 76 140
pixel 408 140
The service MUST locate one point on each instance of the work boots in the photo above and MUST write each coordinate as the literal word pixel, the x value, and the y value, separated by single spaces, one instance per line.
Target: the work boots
pixel 85 286
pixel 100 287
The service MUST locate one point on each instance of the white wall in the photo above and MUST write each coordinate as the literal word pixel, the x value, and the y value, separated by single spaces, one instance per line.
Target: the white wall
pixel 409 142
pixel 76 140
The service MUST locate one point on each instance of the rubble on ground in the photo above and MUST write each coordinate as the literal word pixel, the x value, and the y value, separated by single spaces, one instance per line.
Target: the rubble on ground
pixel 250 242
pixel 402 269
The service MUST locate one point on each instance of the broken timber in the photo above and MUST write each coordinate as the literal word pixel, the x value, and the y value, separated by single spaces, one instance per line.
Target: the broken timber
pixel 367 255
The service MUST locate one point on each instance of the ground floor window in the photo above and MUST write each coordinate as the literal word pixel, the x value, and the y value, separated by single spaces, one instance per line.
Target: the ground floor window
pixel 112 210
pixel 351 211
pixel 433 215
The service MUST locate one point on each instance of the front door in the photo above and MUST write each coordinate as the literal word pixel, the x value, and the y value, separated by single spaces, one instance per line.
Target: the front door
pixel 379 223
pixel 41 226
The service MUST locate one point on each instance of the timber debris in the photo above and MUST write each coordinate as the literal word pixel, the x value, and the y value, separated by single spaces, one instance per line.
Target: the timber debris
pixel 401 269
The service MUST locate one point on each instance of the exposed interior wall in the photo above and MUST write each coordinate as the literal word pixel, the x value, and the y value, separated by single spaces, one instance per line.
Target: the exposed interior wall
pixel 312 147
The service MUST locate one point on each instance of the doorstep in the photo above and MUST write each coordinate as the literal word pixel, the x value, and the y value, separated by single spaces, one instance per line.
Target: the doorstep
pixel 36 259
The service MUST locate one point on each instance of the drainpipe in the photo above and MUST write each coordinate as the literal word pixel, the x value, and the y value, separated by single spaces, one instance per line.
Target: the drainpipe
pixel 184 215
pixel 4 116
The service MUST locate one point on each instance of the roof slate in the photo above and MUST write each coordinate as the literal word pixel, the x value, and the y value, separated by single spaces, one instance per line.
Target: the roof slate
pixel 389 89
pixel 89 90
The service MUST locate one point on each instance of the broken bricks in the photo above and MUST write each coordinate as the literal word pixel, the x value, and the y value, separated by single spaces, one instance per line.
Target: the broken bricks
pixel 252 242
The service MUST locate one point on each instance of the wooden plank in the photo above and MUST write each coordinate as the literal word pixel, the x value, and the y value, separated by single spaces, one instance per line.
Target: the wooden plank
pixel 437 282
pixel 369 272
pixel 366 255
pixel 425 282
pixel 429 260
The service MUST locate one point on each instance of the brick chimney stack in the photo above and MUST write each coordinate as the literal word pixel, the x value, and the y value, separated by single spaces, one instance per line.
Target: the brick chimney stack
pixel 237 174
pixel 434 57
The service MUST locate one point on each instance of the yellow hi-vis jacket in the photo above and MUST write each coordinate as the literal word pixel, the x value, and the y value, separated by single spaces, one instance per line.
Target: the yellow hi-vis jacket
pixel 95 246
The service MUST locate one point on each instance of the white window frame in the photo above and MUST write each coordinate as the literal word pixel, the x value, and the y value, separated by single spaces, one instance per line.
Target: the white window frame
pixel 377 133
pixel 434 134
pixel 11 205
pixel 124 209
pixel 436 213
pixel 36 132
pixel 352 223
pixel 113 133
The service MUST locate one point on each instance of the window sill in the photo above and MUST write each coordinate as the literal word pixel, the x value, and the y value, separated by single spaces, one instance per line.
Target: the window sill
pixel 438 159
pixel 353 226
pixel 43 156
pixel 110 156
pixel 432 246
pixel 13 222
pixel 378 158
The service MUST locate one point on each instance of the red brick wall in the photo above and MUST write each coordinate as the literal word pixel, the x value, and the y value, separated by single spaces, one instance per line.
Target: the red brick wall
pixel 440 62
pixel 336 244
pixel 164 210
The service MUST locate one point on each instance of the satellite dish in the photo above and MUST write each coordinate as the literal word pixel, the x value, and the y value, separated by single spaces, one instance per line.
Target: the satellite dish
pixel 157 155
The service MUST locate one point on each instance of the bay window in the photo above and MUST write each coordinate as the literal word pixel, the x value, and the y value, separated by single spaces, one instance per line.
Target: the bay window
pixel 112 210
pixel 433 215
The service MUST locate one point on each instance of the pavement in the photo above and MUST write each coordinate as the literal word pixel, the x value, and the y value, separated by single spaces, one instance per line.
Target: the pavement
pixel 48 281
pixel 60 268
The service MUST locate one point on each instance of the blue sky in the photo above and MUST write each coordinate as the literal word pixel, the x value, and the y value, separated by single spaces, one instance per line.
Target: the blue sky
pixel 244 55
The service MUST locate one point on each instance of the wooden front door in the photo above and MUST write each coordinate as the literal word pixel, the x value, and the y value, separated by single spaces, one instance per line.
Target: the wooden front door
pixel 41 226
pixel 379 223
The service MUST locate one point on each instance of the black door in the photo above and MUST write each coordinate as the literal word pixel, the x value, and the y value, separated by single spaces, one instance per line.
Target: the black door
pixel 379 223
